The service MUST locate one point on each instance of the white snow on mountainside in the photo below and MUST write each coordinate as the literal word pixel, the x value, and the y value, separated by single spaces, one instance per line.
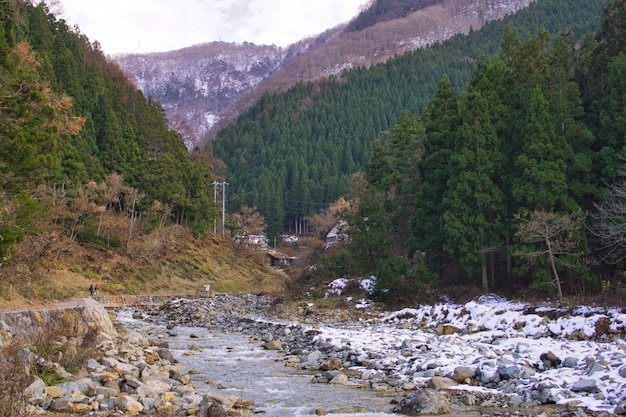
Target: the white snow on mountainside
pixel 204 85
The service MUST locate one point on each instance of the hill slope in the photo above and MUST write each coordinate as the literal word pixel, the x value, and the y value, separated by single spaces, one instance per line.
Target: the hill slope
pixel 292 154
pixel 204 87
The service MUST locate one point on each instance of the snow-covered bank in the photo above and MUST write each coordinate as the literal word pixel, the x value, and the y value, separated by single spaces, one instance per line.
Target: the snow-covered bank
pixel 499 353
pixel 577 358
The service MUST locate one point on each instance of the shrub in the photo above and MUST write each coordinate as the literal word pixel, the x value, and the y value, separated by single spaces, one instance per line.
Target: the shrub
pixel 14 379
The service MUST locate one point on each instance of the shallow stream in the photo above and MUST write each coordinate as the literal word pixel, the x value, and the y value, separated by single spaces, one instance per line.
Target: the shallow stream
pixel 233 364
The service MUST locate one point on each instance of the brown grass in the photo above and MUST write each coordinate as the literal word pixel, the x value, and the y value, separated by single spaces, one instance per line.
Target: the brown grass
pixel 177 264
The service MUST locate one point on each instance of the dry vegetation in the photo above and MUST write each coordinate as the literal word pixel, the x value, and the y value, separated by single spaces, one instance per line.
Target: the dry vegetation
pixel 168 260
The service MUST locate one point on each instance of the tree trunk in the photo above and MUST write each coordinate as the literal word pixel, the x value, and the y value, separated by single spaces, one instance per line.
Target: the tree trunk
pixel 484 273
pixel 554 271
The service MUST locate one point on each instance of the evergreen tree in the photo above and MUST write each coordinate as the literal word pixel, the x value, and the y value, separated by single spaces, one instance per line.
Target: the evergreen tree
pixel 441 122
pixel 474 206
pixel 405 149
pixel 542 185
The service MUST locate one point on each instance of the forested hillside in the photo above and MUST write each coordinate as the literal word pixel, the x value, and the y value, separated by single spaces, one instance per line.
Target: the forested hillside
pixel 514 184
pixel 293 154
pixel 70 117
pixel 86 159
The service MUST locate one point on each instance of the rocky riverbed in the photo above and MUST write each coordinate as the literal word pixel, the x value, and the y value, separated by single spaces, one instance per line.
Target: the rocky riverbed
pixel 487 353
pixel 487 357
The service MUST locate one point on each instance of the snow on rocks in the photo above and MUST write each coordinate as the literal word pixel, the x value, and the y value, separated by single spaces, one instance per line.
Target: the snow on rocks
pixel 488 352
pixel 503 353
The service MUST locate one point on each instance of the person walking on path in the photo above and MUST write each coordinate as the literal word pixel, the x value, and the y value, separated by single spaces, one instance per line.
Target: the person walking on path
pixel 91 290
pixel 97 288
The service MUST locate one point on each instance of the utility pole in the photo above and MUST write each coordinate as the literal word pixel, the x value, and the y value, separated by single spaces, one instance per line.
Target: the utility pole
pixel 215 184
pixel 224 184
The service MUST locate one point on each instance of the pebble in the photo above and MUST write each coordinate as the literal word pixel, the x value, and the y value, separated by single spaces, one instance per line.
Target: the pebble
pixel 139 375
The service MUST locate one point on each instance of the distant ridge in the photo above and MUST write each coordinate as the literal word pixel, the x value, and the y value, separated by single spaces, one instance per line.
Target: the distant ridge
pixel 204 87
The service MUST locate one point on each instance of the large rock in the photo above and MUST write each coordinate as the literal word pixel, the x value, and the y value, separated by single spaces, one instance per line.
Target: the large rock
pixel 75 318
pixel 441 382
pixel 127 403
pixel 447 329
pixel 331 364
pixel 550 360
pixel 464 374
pixel 585 385
pixel 273 345
pixel 35 393
pixel 424 401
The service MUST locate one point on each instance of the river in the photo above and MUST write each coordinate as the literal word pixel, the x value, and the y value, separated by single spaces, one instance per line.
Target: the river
pixel 233 364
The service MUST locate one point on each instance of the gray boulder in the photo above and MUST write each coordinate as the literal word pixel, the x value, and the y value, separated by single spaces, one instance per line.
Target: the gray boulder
pixel 464 374
pixel 424 401
pixel 585 385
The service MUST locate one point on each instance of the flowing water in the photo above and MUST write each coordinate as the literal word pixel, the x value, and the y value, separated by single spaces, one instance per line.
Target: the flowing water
pixel 233 364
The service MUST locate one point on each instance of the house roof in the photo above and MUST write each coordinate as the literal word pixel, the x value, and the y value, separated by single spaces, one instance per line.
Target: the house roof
pixel 279 255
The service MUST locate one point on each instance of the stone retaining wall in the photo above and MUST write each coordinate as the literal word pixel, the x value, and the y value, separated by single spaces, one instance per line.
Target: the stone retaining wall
pixel 74 318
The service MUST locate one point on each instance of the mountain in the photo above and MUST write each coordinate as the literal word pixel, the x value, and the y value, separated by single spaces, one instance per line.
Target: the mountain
pixel 204 87
pixel 196 85
pixel 294 153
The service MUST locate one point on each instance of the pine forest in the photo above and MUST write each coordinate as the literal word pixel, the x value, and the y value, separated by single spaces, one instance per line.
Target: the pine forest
pixel 493 159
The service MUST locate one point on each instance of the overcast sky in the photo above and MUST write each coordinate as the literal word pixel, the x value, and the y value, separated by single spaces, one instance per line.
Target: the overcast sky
pixel 163 25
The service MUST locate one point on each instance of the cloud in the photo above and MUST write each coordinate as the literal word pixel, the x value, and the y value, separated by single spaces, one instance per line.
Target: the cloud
pixel 162 25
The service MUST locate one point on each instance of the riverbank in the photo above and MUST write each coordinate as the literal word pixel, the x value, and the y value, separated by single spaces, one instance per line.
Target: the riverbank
pixel 489 352
pixel 484 357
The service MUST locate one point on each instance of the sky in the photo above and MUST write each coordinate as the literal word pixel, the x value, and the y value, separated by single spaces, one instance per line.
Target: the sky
pixel 142 26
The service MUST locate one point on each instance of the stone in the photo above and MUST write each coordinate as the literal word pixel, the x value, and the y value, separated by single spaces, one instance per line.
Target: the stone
pixel 447 329
pixel 158 386
pixel 216 410
pixel 441 382
pixel 79 407
pixel 56 392
pixel 167 410
pixel 488 372
pixel 314 356
pixel 464 374
pixel 165 353
pixel 596 367
pixel 571 362
pixel 106 392
pixel 74 387
pixel 585 385
pixel 331 364
pixel 35 391
pixel 169 396
pixel 127 403
pixel 339 379
pixel 93 365
pixel 509 372
pixel 424 401
pixel 273 345
pixel 550 360
pixel 137 339
pixel 59 405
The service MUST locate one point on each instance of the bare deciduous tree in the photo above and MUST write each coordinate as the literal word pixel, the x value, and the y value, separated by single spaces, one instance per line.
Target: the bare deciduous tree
pixel 250 221
pixel 109 193
pixel 132 196
pixel 609 224
pixel 552 235
pixel 326 219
